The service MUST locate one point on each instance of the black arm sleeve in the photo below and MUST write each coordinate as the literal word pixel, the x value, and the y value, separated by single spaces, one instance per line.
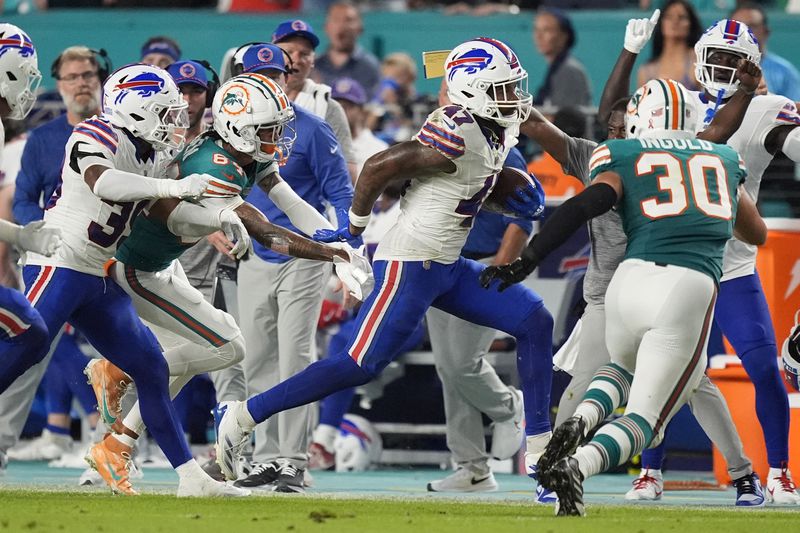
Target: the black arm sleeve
pixel 592 202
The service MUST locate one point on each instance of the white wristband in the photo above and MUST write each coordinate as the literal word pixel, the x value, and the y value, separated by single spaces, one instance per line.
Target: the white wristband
pixel 358 221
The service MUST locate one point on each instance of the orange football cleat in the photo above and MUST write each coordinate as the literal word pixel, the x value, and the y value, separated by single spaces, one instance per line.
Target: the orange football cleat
pixel 109 384
pixel 112 460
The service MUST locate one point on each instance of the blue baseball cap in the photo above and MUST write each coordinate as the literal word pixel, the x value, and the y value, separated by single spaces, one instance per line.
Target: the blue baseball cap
pixel 263 56
pixel 350 90
pixel 188 72
pixel 296 27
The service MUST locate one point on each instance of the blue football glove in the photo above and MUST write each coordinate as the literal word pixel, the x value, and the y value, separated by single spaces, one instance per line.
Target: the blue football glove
pixel 342 234
pixel 527 202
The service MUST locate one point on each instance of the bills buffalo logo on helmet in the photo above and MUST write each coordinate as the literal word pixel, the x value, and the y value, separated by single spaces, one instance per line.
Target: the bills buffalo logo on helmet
pixel 16 41
pixel 470 62
pixel 145 84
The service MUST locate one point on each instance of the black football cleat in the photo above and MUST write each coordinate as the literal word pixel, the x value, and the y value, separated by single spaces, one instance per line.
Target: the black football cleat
pixel 566 480
pixel 563 443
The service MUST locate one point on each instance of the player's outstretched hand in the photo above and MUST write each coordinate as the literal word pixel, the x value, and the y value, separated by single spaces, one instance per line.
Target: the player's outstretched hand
pixel 38 238
pixel 233 228
pixel 192 187
pixel 527 202
pixel 749 75
pixel 356 273
pixel 639 31
pixel 341 234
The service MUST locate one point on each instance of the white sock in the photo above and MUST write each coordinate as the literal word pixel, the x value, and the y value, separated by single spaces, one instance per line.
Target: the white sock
pixel 325 435
pixel 190 469
pixel 243 416
pixel 124 439
pixel 535 444
pixel 775 472
pixel 590 461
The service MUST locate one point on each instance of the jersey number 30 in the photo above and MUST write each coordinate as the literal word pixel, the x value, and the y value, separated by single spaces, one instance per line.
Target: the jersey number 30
pixel 674 182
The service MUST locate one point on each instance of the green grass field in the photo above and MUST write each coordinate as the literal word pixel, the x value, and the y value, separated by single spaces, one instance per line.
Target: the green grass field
pixel 23 510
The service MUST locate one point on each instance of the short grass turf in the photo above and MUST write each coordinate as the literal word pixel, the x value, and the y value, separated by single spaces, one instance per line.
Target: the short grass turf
pixel 34 511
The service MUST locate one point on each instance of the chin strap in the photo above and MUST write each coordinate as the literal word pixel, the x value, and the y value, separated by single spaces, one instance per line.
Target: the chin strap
pixel 711 112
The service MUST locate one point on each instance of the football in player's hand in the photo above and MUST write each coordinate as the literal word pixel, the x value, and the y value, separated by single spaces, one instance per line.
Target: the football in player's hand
pixel 506 192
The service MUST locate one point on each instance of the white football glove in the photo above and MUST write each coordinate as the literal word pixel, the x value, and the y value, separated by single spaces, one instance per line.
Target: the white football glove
pixel 355 274
pixel 36 237
pixel 192 187
pixel 638 32
pixel 233 228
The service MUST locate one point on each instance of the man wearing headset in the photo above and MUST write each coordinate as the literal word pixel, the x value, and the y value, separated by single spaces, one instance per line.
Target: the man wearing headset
pixel 192 78
pixel 79 73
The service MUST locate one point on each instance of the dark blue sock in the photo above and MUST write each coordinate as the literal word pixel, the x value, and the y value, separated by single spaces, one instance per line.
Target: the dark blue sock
pixel 535 366
pixel 772 402
pixel 72 364
pixel 57 394
pixel 653 458
pixel 57 430
pixel 317 381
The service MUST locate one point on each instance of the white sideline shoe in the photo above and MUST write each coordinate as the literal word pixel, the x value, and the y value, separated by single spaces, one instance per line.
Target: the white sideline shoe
pixel 780 487
pixel 464 480
pixel 648 486
pixel 47 447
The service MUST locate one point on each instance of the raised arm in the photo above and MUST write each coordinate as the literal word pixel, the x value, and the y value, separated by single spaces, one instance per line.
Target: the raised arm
pixel 637 33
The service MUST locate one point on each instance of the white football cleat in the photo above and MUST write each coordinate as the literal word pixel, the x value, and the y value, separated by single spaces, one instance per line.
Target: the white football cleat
pixel 507 435
pixel 464 480
pixel 232 437
pixel 205 487
pixel 780 487
pixel 648 486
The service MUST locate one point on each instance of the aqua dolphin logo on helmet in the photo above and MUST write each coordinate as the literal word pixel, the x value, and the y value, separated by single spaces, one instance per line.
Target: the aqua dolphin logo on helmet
pixel 145 84
pixel 471 62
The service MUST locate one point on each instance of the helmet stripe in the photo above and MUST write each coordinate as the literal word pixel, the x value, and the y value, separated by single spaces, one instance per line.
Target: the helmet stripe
pixel 668 107
pixel 264 83
pixel 508 52
pixel 677 100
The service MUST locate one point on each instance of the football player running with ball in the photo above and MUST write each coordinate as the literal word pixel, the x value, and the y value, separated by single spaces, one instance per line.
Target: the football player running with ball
pixel 252 132
pixel 450 167
pixel 678 198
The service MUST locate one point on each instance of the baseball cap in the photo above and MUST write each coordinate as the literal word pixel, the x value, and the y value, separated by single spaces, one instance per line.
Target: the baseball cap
pixel 350 90
pixel 263 56
pixel 296 27
pixel 188 72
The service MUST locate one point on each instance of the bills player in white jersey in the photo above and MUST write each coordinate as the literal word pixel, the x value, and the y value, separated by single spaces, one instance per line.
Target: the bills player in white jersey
pixel 114 165
pixel 770 125
pixel 449 167
pixel 23 333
